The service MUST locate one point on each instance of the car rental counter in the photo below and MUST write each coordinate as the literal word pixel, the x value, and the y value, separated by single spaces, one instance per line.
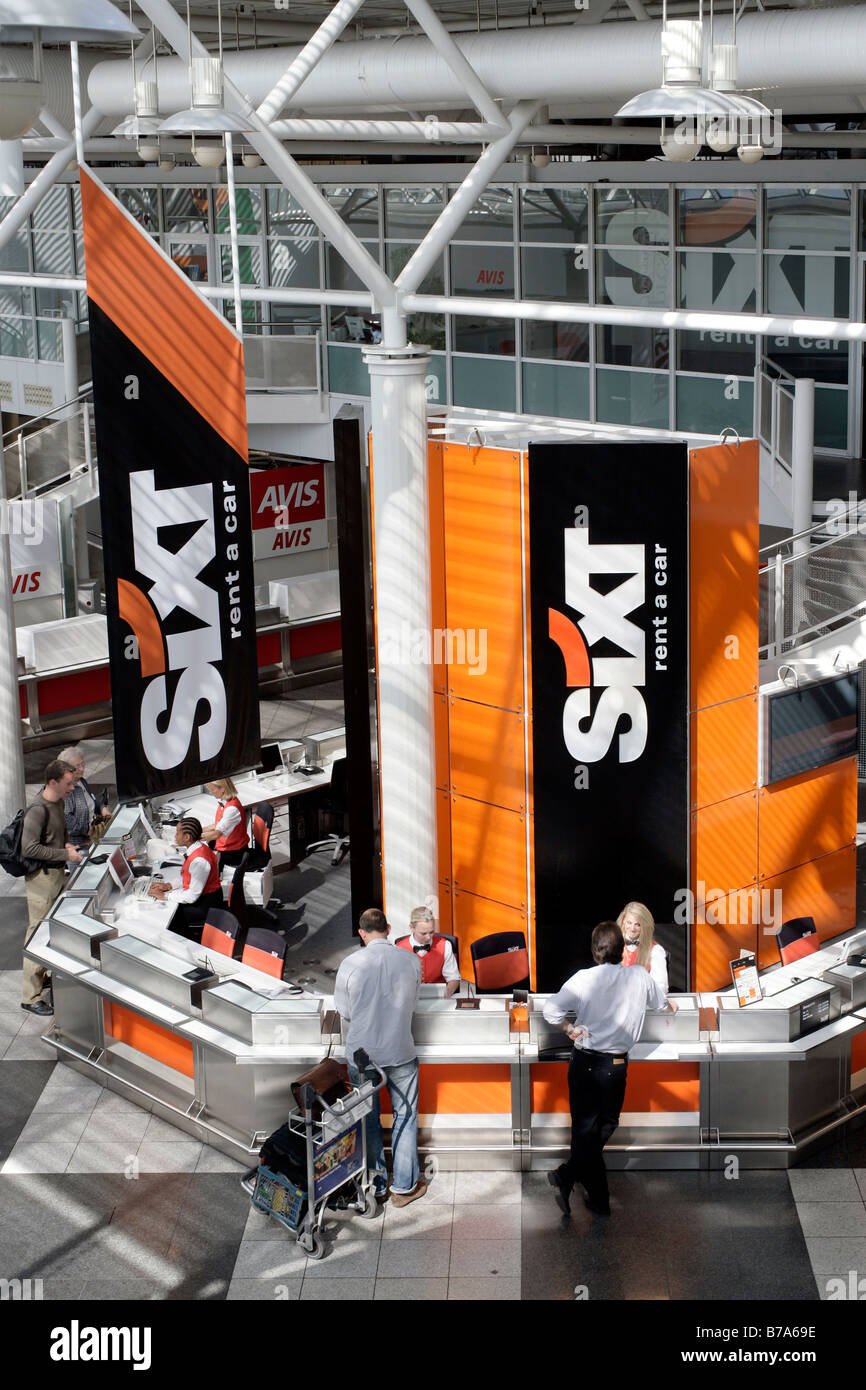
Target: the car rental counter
pixel 213 1045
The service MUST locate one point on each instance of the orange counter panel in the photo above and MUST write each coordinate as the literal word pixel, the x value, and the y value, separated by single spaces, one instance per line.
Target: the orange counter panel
pixel 488 851
pixel 488 758
pixel 147 1037
pixel 725 843
pixel 461 1090
pixel 482 570
pixel 825 889
pixel 858 1053
pixel 724 751
pixel 807 816
pixel 475 917
pixel 659 1087
pixel 723 548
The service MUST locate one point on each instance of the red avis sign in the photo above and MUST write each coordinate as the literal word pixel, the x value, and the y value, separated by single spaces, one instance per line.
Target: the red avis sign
pixel 288 509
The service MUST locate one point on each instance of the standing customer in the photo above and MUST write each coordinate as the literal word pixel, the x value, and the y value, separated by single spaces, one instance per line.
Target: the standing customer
pixel 44 837
pixel 376 991
pixel 81 807
pixel 609 1004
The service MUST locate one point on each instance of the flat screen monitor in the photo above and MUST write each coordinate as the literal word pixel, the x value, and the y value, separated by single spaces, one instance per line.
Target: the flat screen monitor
pixel 119 868
pixel 811 726
pixel 271 759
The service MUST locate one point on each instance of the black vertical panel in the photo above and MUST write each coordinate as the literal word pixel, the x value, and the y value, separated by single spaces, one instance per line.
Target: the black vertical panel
pixel 608 526
pixel 353 540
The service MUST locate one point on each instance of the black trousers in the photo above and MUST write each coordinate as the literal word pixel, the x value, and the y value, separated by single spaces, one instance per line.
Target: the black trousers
pixel 189 918
pixel 230 856
pixel 596 1090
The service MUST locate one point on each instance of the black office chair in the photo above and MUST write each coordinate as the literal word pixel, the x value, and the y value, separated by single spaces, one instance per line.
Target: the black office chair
pixel 500 962
pixel 235 899
pixel 265 950
pixel 336 803
pixel 260 851
pixel 220 932
pixel 798 937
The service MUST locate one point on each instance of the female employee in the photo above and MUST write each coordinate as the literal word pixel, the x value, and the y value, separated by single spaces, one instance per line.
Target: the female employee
pixel 229 830
pixel 637 926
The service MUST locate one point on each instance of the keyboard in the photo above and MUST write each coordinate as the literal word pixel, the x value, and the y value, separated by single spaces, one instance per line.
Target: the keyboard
pixel 140 887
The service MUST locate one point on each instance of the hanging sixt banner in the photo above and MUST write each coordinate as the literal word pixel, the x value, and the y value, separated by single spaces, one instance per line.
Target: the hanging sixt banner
pixel 170 411
pixel 608 527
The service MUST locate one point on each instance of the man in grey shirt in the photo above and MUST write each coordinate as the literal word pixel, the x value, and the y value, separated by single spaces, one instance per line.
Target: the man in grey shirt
pixel 376 991
pixel 44 839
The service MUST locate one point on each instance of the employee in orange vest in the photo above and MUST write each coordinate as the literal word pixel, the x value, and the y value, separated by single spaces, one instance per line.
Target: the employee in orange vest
pixel 637 926
pixel 435 952
pixel 200 882
pixel 229 830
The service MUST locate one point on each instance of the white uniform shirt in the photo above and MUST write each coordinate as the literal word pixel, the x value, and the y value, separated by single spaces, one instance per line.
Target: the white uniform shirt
pixel 658 965
pixel 199 872
pixel 450 968
pixel 609 1002
pixel 228 818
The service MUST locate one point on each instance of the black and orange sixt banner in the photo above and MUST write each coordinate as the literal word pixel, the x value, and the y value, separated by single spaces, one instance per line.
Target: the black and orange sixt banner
pixel 608 526
pixel 170 412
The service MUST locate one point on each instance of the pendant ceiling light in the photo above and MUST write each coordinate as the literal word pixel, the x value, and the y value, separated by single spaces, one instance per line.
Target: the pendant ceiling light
pixel 207 114
pixel 63 21
pixel 143 125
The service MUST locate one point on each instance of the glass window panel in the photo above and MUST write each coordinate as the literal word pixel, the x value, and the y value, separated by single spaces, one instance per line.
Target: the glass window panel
pixel 53 253
pixel 15 300
pixel 568 341
pixel 718 217
pixel 294 263
pixel 191 256
pixel 639 278
pixel 17 337
pixel 550 272
pixel 808 219
pixel 358 207
pixel 287 216
pixel 186 210
pixel 824 359
pixel 632 216
pixel 49 345
pixel 396 258
pixel 728 354
pixel 294 319
pixel 490 219
pixel 143 205
pixel 428 330
pixel 351 324
pixel 15 255
pixel 52 210
pixel 347 374
pixel 621 346
pixel 53 302
pixel 483 270
pixel 797 284
pixel 476 334
pixel 411 212
pixel 249 264
pixel 632 398
pixel 79 253
pixel 718 280
pixel 76 205
pixel 483 383
pixel 551 389
pixel 554 214
pixel 706 405
pixel 831 418
pixel 436 380
pixel 339 274
pixel 248 206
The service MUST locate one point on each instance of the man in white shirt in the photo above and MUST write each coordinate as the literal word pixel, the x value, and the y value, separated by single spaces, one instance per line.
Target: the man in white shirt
pixel 375 992
pixel 609 1004
pixel 435 952
pixel 200 882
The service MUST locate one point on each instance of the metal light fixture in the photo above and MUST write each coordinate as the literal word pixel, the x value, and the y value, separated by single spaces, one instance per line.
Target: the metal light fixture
pixel 207 114
pixel 143 125
pixel 21 98
pixel 251 160
pixel 63 21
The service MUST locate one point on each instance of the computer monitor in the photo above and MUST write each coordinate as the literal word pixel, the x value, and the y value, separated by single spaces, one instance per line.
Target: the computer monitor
pixel 271 759
pixel 312 751
pixel 120 869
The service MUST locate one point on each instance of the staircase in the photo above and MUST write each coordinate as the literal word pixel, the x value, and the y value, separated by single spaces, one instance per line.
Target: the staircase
pixel 812 584
pixel 52 451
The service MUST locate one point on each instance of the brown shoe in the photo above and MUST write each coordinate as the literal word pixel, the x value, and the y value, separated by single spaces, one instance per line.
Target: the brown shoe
pixel 402 1199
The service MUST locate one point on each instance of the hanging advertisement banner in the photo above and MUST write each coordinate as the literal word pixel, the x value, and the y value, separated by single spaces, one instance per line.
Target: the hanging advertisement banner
pixel 170 412
pixel 288 509
pixel 608 530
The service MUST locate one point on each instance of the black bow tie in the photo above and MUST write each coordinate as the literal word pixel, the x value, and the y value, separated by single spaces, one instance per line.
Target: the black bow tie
pixel 420 950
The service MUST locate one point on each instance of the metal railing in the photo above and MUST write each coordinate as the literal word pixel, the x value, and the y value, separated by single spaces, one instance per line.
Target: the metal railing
pixel 774 421
pixel 812 583
pixel 63 446
pixel 283 362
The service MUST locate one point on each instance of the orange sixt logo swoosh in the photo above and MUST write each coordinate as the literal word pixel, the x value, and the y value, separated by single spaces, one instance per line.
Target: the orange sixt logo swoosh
pixel 137 611
pixel 570 640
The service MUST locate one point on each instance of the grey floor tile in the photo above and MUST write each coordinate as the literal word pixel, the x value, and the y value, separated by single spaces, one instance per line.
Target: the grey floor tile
pixel 264 1290
pixel 117 1104
pixel 204 1261
pixel 68 1100
pixel 94 1157
pixel 409 1259
pixel 261 1227
pixel 212 1161
pixel 484 1258
pixel 836 1256
pixel 10 1025
pixel 440 1189
pixel 485 1222
pixel 410 1290
pixel 417 1221
pixel 63 1076
pixel 461 1290
pixel 269 1259
pixel 837 1218
pixel 136 1290
pixel 487 1188
pixel 161 1131
pixel 45 1129
pixel 115 1127
pixel 39 1158
pixel 59 1290
pixel 860 1175
pixel 158 1157
pixel 346 1258
pixel 823 1185
pixel 26 1047
pixel 330 1289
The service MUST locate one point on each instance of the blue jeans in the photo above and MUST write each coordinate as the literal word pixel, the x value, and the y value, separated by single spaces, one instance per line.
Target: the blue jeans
pixel 403 1090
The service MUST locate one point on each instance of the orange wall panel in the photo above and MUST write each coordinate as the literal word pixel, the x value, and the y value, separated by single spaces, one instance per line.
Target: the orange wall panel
pixel 725 844
pixel 444 921
pixel 483 590
pixel 148 1037
pixel 443 835
pixel 825 889
pixel 488 851
pixel 476 917
pixel 657 1087
pixel 716 945
pixel 461 1090
pixel 807 816
pixel 724 751
pixel 488 759
pixel 723 547
pixel 437 556
pixel 441 737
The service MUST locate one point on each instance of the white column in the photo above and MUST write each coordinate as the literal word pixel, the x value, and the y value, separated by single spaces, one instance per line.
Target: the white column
pixel 403 628
pixel 802 457
pixel 70 358
pixel 11 748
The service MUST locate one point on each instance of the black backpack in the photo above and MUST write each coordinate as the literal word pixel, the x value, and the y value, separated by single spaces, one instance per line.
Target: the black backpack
pixel 10 848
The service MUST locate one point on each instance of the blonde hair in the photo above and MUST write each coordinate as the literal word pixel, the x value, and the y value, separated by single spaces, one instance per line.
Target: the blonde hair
pixel 420 914
pixel 227 785
pixel 647 927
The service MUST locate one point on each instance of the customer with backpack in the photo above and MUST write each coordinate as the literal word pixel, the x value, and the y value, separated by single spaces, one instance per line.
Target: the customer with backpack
pixel 44 839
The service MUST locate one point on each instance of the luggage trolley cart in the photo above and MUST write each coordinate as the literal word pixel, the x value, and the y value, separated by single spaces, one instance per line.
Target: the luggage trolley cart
pixel 336 1153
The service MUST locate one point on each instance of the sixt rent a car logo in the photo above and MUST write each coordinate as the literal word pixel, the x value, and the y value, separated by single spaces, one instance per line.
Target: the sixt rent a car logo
pixel 592 591
pixel 193 646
